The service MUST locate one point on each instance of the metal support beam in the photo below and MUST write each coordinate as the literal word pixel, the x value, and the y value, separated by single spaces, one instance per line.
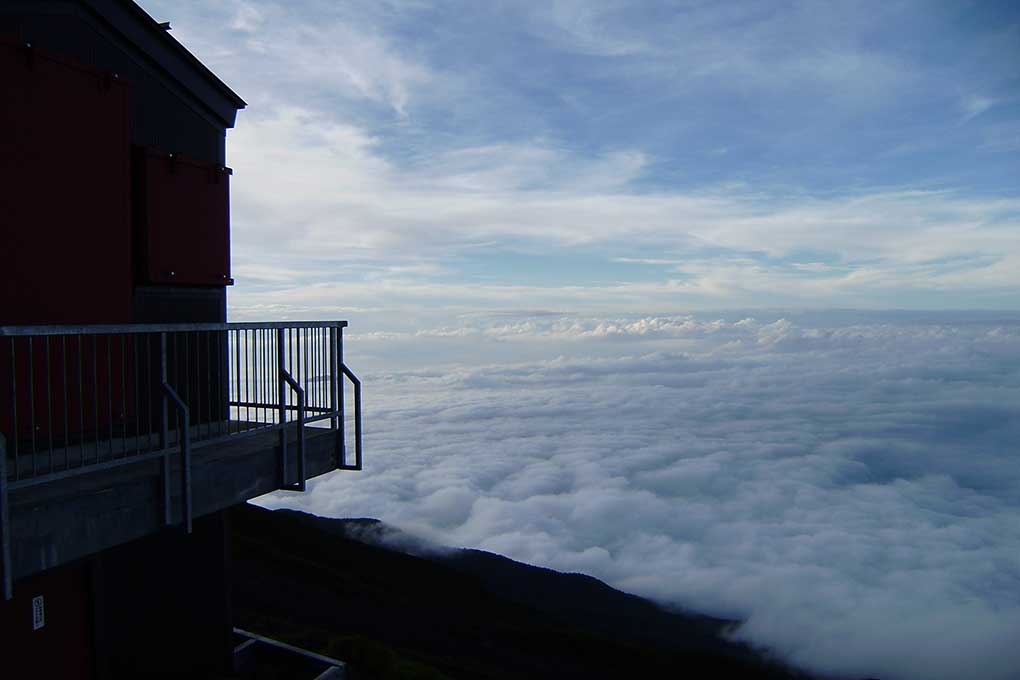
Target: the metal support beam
pixel 357 418
pixel 5 526
pixel 164 432
pixel 184 444
pixel 335 398
pixel 341 442
pixel 294 385
pixel 281 367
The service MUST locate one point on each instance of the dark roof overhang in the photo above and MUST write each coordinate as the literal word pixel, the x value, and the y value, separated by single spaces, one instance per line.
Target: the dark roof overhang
pixel 154 42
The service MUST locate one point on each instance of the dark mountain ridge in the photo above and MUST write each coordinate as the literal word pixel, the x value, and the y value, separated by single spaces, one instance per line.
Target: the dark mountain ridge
pixel 578 598
pixel 334 585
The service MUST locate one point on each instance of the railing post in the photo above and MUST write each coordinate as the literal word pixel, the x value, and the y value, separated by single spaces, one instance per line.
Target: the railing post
pixel 281 366
pixel 357 421
pixel 184 442
pixel 336 393
pixel 164 433
pixel 301 437
pixel 14 411
pixel 343 400
pixel 5 525
pixel 296 386
pixel 332 377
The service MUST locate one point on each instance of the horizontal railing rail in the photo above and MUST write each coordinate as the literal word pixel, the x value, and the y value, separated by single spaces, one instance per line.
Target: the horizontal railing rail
pixel 71 329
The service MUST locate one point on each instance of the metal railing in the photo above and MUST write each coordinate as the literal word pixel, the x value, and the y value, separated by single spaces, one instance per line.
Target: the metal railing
pixel 77 399
pixel 253 650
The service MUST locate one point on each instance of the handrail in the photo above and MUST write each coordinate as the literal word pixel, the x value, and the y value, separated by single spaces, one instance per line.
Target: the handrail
pixel 334 668
pixel 185 449
pixel 357 420
pixel 102 329
pixel 300 485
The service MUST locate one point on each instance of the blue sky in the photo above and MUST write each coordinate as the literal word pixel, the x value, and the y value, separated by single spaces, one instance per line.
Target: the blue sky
pixel 602 155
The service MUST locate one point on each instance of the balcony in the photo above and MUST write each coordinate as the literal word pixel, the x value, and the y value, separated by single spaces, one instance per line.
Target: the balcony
pixel 110 433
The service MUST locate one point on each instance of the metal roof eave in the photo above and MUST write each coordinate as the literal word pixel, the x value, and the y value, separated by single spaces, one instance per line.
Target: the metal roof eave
pixel 139 28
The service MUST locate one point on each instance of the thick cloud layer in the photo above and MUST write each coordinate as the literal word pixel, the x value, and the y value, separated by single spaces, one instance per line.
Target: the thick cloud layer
pixel 847 485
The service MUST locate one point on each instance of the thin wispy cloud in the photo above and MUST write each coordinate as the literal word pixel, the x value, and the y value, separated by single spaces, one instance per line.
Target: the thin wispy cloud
pixel 858 170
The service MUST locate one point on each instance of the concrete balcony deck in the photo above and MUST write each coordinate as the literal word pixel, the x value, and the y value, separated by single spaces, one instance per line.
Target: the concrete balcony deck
pixel 72 517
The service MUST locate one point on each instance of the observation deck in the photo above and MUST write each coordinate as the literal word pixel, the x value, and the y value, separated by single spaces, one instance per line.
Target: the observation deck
pixel 111 433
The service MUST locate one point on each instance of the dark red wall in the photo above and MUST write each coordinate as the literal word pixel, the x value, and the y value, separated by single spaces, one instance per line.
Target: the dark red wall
pixel 65 229
pixel 165 604
pixel 61 648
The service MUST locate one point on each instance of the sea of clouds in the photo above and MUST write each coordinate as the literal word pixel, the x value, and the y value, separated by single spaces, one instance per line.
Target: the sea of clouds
pixel 846 484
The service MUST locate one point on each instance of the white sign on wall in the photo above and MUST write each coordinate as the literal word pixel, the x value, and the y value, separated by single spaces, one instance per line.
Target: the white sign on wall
pixel 38 612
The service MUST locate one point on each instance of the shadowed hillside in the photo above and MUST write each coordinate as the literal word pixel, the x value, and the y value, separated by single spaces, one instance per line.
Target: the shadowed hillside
pixel 459 613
